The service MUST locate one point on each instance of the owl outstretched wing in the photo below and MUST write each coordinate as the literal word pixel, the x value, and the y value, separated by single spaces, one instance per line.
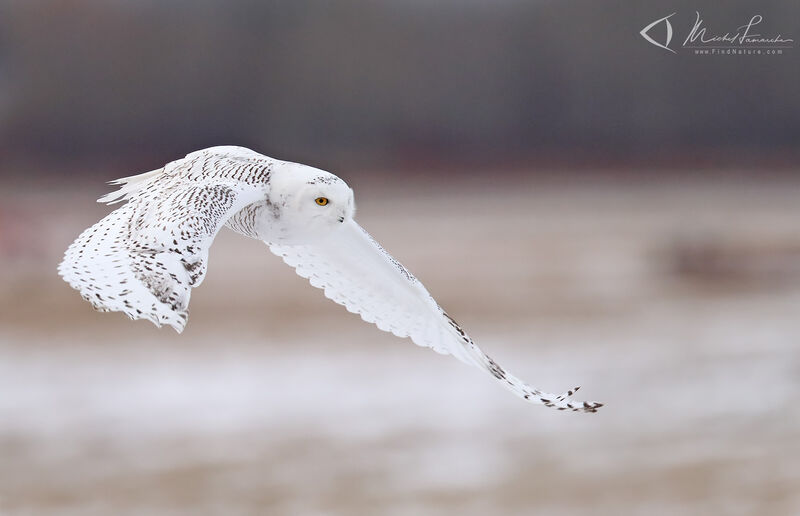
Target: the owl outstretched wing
pixel 145 257
pixel 356 272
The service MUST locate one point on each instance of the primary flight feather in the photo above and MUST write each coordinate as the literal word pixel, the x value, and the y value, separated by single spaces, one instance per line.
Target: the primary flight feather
pixel 145 257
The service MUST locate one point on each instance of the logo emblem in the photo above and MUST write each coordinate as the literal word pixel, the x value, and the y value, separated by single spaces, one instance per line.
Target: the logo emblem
pixel 665 45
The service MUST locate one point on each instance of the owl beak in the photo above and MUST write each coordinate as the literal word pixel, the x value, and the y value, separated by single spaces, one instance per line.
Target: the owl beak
pixel 341 220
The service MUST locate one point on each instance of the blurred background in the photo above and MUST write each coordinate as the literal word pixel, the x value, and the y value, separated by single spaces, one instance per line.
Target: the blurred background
pixel 595 210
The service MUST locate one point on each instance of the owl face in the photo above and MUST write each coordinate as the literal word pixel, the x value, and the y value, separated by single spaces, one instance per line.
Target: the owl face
pixel 311 203
pixel 328 203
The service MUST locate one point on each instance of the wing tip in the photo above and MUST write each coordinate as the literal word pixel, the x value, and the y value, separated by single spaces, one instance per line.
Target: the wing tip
pixel 561 403
pixel 112 197
pixel 166 316
pixel 128 185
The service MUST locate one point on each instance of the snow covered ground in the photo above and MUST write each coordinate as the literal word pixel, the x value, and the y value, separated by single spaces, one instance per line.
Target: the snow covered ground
pixel 275 401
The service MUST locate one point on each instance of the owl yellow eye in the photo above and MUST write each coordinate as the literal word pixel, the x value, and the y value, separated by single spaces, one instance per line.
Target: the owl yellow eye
pixel 322 201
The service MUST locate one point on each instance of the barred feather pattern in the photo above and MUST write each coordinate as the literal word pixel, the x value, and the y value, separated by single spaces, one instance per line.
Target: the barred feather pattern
pixel 144 258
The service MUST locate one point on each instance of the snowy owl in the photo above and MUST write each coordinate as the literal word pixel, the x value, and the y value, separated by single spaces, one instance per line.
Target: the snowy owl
pixel 145 257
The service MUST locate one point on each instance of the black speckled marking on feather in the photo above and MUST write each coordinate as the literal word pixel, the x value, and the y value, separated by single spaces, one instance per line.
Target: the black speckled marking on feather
pixel 160 237
pixel 325 180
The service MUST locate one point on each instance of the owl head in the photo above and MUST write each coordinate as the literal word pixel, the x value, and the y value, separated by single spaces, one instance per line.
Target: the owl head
pixel 308 203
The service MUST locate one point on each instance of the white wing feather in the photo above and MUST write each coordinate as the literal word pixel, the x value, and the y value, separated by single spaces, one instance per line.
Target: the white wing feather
pixel 356 272
pixel 144 258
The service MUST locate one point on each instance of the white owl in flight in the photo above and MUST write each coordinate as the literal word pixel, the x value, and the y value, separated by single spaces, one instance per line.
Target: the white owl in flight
pixel 145 257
